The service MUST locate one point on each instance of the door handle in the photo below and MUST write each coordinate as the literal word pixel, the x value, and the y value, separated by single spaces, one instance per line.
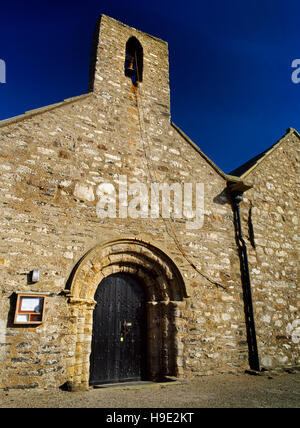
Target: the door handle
pixel 125 329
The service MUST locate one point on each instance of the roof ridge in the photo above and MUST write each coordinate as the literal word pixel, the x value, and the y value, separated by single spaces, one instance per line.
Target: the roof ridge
pixel 197 148
pixel 234 183
pixel 256 160
pixel 293 130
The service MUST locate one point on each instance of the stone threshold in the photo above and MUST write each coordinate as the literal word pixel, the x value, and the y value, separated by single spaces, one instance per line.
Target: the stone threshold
pixel 136 384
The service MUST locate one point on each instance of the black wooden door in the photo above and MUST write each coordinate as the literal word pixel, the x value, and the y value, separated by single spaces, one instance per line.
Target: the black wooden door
pixel 119 331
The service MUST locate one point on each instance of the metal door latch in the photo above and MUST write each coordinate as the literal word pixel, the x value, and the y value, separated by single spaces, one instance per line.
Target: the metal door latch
pixel 124 329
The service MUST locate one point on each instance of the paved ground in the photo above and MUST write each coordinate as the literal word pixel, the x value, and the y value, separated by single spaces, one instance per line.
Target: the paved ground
pixel 229 391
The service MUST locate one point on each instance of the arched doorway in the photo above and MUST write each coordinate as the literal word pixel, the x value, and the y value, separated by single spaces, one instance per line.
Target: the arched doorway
pixel 118 351
pixel 165 306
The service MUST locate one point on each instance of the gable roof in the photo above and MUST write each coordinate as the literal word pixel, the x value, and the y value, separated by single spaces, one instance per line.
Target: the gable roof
pixel 251 164
pixel 233 181
pixel 31 113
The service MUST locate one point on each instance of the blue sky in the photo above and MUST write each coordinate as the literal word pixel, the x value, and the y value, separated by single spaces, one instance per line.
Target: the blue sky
pixel 230 63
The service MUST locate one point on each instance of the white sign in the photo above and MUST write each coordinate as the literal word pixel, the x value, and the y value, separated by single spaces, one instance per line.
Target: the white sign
pixel 31 304
pixel 22 318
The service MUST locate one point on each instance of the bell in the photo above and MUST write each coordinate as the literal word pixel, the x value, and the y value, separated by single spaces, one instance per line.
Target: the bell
pixel 130 71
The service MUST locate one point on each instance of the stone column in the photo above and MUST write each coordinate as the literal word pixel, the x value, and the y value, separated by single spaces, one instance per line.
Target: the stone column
pixel 72 340
pixel 166 328
pixel 87 342
pixel 177 327
pixel 165 339
pixel 78 365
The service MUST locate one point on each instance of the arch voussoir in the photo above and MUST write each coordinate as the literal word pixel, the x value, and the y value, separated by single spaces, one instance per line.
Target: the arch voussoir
pixel 163 284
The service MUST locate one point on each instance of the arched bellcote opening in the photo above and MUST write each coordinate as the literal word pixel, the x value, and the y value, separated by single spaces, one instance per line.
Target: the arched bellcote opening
pixel 165 306
pixel 134 60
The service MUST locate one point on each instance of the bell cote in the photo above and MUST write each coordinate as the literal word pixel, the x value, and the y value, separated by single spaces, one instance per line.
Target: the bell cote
pixel 126 59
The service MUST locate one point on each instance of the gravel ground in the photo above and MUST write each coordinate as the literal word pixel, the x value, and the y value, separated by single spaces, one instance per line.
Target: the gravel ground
pixel 227 391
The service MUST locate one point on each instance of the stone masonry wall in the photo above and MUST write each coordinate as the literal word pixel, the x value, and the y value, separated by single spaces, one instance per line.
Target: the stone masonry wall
pixel 52 162
pixel 271 222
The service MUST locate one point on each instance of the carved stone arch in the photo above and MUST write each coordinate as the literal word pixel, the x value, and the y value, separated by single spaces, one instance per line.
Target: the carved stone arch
pixel 166 301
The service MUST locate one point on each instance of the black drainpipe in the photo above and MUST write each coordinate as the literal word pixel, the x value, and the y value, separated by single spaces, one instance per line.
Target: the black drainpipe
pixel 246 281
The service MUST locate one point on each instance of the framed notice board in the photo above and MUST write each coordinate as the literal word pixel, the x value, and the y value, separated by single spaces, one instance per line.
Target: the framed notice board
pixel 30 308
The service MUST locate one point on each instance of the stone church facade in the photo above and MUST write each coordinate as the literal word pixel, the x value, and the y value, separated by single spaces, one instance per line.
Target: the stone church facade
pixel 221 295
